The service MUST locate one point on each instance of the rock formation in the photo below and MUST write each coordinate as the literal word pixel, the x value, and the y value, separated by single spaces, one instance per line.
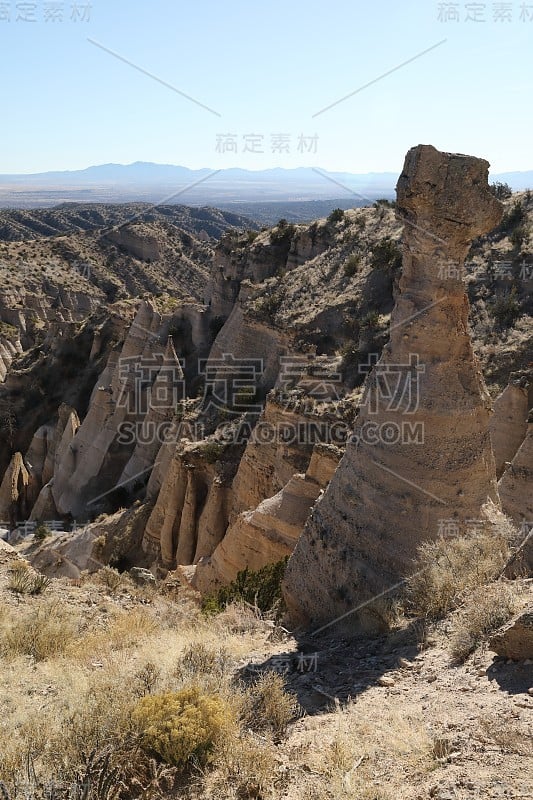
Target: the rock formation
pixel 515 639
pixel 92 463
pixel 136 241
pixel 17 491
pixel 508 425
pixel 515 489
pixel 421 451
pixel 269 532
pixel 8 351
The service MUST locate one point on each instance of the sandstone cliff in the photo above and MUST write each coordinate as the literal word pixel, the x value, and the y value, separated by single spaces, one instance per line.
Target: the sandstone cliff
pixel 392 489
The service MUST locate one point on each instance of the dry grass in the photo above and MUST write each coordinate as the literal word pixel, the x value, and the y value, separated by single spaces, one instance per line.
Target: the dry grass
pixel 247 769
pixel 366 754
pixel 84 665
pixel 267 706
pixel 25 580
pixel 511 735
pixel 448 569
pixel 41 631
pixel 485 610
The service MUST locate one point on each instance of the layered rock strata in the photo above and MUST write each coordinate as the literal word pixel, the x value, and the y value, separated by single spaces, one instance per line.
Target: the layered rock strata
pixel 421 454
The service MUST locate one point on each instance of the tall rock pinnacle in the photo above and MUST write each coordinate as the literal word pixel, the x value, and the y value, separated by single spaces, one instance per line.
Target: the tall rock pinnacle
pixel 420 463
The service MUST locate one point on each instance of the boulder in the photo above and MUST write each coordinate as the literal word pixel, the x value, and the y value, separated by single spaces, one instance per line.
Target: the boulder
pixel 515 639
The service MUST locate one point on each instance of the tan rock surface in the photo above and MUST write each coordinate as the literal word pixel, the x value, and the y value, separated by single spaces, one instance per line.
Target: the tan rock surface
pixel 508 424
pixel 390 493
pixel 18 491
pixel 270 532
pixel 515 639
pixel 516 493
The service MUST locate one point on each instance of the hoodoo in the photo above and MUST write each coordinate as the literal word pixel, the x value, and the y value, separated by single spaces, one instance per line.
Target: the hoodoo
pixel 420 461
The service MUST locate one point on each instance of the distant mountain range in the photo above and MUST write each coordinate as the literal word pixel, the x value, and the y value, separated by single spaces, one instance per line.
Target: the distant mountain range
pixel 152 183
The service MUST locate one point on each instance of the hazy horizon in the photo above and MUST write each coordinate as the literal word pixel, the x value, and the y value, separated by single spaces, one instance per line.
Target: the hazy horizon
pixel 343 89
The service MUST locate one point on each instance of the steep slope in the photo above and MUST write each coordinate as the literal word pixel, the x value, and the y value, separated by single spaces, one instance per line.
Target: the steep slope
pixel 275 333
pixel 16 225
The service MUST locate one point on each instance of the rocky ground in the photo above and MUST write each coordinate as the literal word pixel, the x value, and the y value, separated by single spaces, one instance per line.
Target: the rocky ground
pixel 382 717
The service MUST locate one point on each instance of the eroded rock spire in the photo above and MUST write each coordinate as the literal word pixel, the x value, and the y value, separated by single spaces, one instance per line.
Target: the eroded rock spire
pixel 420 464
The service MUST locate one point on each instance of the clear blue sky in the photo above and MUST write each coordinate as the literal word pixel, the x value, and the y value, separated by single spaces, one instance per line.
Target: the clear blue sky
pixel 266 68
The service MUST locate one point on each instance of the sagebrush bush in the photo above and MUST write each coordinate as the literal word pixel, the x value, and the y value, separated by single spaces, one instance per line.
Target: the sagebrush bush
pixel 485 610
pixel 200 659
pixel 447 569
pixel 352 265
pixel 43 632
pixel 182 726
pixel 267 706
pixel 111 578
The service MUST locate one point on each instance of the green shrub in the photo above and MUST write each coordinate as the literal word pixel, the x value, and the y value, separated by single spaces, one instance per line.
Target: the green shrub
pixel 519 236
pixel 212 451
pixel 268 305
pixel 502 191
pixel 386 255
pixel 513 218
pixel 352 265
pixel 261 588
pixel 337 215
pixel 181 727
pixel 505 309
pixel 282 234
pixel 41 533
pixel 370 320
pixel 360 222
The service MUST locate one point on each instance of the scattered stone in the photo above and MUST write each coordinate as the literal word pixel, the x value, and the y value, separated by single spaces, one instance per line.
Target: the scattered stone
pixel 404 663
pixel 142 576
pixel 515 640
pixel 385 680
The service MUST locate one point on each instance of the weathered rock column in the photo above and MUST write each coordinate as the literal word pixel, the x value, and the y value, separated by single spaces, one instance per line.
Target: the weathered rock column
pixel 421 462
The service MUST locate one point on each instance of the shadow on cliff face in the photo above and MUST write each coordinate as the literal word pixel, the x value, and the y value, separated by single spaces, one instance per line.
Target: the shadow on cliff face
pixel 328 670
